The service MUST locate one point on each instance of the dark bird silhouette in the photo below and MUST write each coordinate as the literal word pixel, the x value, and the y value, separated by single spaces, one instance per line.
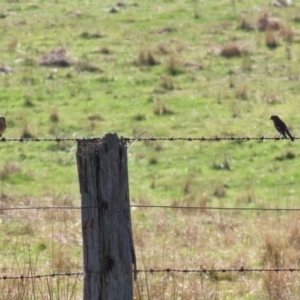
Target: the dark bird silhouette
pixel 2 125
pixel 281 127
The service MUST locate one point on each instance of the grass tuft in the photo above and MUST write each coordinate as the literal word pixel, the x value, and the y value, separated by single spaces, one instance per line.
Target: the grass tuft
pixel 153 161
pixel 28 102
pixel 241 92
pixel 86 66
pixel 27 134
pixel 289 155
pixel 174 67
pixel 87 35
pixel 54 117
pixel 139 117
pixel 105 50
pixel 246 23
pixel 57 57
pixel 265 22
pixel 9 169
pixel 166 83
pixel 233 49
pixel 163 49
pixel 287 34
pixel 161 109
pixel 271 40
pixel 220 191
pixel 146 58
pixel 225 165
pixel 95 117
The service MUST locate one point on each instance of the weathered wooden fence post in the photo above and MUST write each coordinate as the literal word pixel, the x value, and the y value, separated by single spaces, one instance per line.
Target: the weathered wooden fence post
pixel 108 249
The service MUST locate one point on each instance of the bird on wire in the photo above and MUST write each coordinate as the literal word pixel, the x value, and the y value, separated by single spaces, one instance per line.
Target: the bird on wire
pixel 281 127
pixel 3 125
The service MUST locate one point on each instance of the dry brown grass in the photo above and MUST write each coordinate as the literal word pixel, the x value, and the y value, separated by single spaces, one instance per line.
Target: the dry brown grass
pixel 287 34
pixel 288 155
pixel 13 44
pixel 234 49
pixel 54 117
pixel 174 66
pixel 271 40
pixel 166 83
pixel 246 23
pixel 163 49
pixel 41 242
pixel 265 22
pixel 146 58
pixel 193 65
pixel 179 239
pixel 160 108
pixel 84 65
pixel 9 169
pixel 105 50
pixel 27 133
pixel 266 240
pixel 57 57
pixel 241 92
pixel 93 35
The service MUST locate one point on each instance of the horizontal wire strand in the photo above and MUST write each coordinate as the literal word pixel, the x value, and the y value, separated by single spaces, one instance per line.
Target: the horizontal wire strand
pixel 201 270
pixel 150 139
pixel 152 206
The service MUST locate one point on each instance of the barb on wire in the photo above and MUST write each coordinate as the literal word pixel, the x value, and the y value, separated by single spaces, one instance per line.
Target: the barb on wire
pixel 131 140
pixel 137 138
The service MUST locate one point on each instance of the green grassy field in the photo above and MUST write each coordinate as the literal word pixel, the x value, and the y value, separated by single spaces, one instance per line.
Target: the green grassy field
pixel 159 67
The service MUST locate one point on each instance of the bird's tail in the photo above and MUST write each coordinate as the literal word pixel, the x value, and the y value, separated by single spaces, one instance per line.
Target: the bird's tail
pixel 291 137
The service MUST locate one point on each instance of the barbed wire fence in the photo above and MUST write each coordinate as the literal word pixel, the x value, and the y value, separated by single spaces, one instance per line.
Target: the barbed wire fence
pixel 153 206
pixel 129 141
pixel 201 270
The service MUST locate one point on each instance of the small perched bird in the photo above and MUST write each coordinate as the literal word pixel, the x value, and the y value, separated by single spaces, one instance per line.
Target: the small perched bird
pixel 281 127
pixel 2 125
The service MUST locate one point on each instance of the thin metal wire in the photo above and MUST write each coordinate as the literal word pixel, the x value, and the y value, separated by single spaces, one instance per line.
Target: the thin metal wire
pixel 201 270
pixel 150 139
pixel 215 208
pixel 204 139
pixel 222 270
pixel 46 207
pixel 152 206
pixel 22 277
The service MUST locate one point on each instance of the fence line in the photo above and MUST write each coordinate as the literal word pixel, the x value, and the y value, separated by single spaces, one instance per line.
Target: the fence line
pixel 154 206
pixel 222 270
pixel 150 139
pixel 204 139
pixel 215 208
pixel 201 270
pixel 22 277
